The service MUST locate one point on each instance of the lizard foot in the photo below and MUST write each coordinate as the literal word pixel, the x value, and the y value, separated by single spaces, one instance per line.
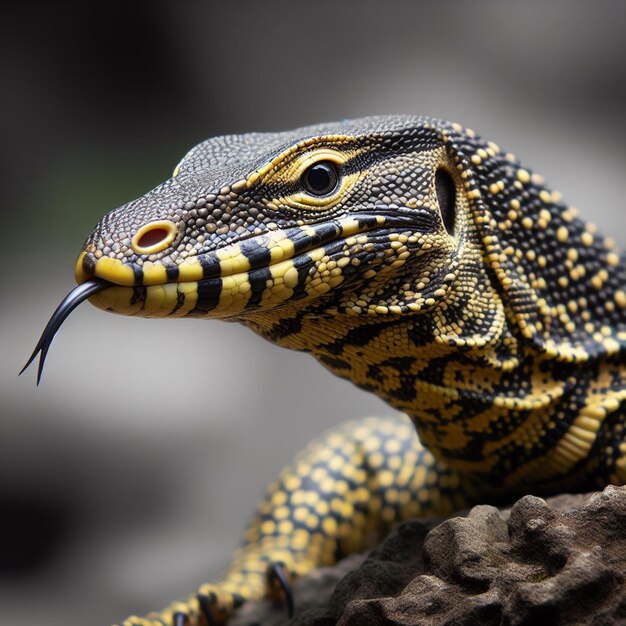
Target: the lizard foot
pixel 212 606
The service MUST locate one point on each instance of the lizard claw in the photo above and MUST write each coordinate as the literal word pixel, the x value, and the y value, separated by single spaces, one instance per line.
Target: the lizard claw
pixel 205 608
pixel 278 580
pixel 180 619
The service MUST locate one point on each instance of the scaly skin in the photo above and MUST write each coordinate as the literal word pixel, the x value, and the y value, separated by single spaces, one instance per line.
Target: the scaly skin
pixel 439 274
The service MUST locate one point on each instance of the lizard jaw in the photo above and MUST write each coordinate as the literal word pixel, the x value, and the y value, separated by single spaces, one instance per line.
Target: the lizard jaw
pixel 258 272
pixel 231 281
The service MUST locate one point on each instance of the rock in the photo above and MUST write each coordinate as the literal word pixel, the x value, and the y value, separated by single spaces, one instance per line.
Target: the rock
pixel 558 562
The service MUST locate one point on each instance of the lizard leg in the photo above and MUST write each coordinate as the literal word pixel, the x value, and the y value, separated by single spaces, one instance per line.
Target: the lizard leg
pixel 341 494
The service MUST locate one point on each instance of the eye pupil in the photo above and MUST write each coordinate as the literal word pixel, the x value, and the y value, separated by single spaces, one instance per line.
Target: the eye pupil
pixel 321 179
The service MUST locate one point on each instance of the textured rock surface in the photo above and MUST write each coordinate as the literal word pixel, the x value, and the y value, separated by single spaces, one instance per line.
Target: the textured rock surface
pixel 560 562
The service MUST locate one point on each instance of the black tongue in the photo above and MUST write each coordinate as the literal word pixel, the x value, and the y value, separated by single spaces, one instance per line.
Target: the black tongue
pixel 70 302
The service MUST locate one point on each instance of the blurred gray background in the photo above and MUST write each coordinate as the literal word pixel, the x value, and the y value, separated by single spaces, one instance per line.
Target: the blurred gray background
pixel 127 476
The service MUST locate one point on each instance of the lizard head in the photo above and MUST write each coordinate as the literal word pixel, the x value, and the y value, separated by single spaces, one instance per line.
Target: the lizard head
pixel 403 253
pixel 363 217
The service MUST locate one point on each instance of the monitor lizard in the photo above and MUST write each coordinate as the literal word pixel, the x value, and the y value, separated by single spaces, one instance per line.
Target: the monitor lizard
pixel 423 264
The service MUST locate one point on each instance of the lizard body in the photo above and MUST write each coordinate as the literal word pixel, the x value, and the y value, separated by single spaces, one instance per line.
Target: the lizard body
pixel 426 266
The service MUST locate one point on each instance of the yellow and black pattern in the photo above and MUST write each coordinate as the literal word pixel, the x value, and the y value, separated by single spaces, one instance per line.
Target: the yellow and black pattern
pixel 340 495
pixel 421 263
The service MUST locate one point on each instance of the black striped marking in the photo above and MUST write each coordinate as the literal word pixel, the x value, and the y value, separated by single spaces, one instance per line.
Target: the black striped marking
pixel 209 292
pixel 258 280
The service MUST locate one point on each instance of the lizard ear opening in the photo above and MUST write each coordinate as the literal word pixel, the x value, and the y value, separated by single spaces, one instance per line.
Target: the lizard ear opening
pixel 446 196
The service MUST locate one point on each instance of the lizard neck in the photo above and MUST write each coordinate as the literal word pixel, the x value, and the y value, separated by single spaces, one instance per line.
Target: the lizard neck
pixel 516 374
pixel 505 411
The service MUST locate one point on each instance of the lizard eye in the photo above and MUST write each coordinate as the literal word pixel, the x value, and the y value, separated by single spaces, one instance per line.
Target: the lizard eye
pixel 321 178
pixel 446 196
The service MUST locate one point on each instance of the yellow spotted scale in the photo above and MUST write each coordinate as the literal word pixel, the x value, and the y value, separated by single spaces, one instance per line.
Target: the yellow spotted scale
pixel 423 264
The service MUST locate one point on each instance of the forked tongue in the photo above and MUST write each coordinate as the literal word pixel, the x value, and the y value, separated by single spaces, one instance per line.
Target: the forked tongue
pixel 70 302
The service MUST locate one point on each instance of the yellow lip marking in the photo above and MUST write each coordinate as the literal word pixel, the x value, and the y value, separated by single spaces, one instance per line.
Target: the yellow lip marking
pixel 232 261
pixel 155 298
pixel 190 270
pixel 169 229
pixel 117 300
pixel 235 293
pixel 154 273
pixel 115 271
pixel 160 300
pixel 178 299
pixel 190 293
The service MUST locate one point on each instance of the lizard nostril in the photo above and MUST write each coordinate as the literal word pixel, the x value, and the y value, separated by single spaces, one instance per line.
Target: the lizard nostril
pixel 154 237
